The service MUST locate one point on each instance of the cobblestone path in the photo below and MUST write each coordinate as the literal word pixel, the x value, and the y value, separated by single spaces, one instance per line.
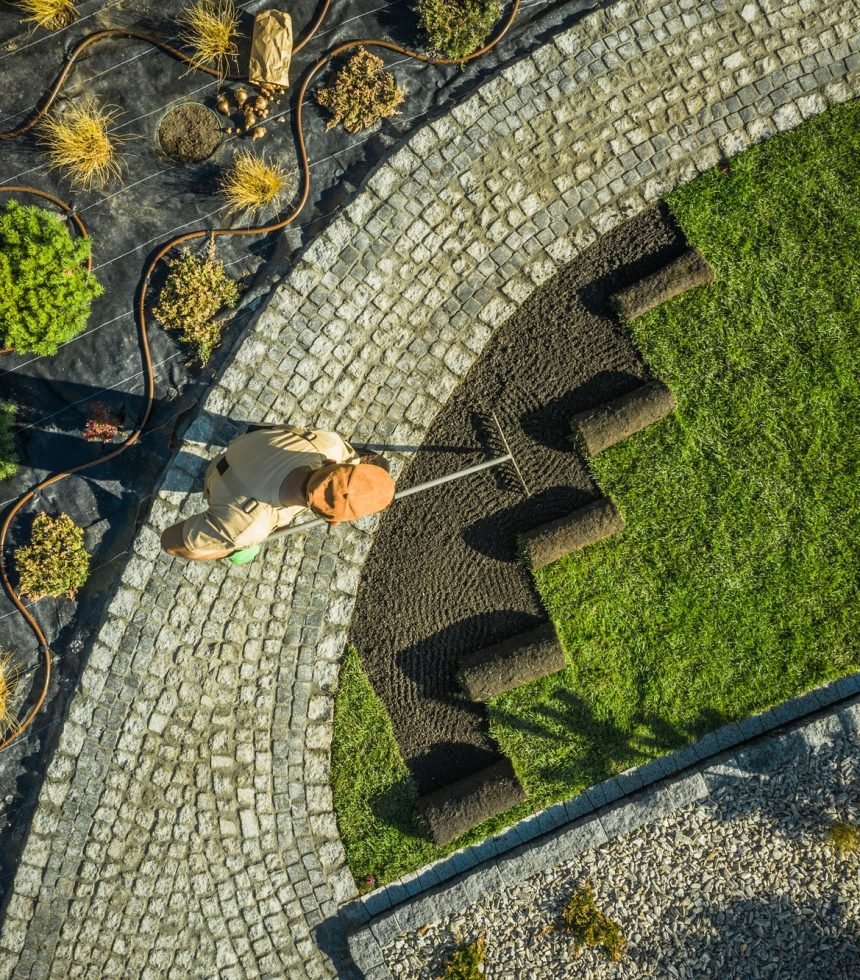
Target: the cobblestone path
pixel 185 826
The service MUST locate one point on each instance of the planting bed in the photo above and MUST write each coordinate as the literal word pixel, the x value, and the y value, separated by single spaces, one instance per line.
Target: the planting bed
pixel 443 579
pixel 158 200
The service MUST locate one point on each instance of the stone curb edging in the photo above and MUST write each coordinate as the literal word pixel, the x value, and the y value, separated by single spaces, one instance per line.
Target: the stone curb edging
pixel 601 813
pixel 370 333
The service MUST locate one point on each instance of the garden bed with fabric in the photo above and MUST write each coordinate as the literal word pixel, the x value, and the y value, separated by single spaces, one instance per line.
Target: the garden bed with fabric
pixel 731 587
pixel 98 374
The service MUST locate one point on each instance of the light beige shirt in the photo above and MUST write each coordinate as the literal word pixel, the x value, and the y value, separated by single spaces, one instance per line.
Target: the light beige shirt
pixel 244 502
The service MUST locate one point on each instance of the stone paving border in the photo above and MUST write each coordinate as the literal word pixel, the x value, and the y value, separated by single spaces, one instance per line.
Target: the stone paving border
pixel 610 809
pixel 185 822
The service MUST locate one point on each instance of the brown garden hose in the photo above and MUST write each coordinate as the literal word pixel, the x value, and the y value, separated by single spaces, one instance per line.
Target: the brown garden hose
pixel 39 114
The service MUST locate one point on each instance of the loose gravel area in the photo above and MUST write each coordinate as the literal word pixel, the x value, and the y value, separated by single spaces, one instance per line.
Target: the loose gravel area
pixel 745 885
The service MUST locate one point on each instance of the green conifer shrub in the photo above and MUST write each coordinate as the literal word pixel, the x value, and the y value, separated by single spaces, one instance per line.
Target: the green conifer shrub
pixel 55 561
pixel 456 28
pixel 45 289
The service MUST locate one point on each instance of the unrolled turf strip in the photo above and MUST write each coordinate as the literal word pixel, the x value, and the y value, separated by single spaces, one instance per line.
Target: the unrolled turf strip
pixel 444 577
pixel 456 808
pixel 685 272
pixel 520 660
pixel 604 425
pixel 573 532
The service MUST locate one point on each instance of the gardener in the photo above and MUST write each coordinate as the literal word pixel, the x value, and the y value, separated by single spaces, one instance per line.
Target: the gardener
pixel 270 475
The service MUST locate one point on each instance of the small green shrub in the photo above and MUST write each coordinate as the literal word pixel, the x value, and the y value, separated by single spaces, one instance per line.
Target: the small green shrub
pixel 845 837
pixel 466 962
pixel 55 561
pixel 588 926
pixel 8 455
pixel 456 28
pixel 362 93
pixel 195 290
pixel 102 425
pixel 45 289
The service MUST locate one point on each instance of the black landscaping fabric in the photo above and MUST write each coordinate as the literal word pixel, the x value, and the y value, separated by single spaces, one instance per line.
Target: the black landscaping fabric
pixel 160 199
pixel 444 578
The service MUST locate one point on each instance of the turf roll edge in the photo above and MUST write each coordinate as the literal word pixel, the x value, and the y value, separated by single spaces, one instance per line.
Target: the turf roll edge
pixel 606 424
pixel 458 807
pixel 549 542
pixel 686 272
pixel 518 660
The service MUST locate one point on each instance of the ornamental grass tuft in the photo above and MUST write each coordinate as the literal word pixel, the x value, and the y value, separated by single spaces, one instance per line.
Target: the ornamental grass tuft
pixel 466 963
pixel 211 29
pixel 588 926
pixel 254 182
pixel 195 290
pixel 52 15
pixel 45 288
pixel 457 28
pixel 55 562
pixel 80 144
pixel 362 93
pixel 8 684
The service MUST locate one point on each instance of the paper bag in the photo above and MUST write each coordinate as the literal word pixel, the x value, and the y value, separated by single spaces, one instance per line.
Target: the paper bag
pixel 271 48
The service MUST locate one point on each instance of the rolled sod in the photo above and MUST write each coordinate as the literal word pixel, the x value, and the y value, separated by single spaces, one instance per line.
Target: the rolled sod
pixel 606 424
pixel 519 660
pixel 456 808
pixel 549 542
pixel 686 272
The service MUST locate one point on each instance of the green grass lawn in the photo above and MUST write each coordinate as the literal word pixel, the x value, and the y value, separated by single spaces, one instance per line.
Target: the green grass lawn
pixel 734 583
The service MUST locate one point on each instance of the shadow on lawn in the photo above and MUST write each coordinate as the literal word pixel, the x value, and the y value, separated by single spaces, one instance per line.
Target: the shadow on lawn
pixel 602 748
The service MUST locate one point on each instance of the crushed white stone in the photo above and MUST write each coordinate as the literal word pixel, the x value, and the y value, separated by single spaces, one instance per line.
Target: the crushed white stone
pixel 746 884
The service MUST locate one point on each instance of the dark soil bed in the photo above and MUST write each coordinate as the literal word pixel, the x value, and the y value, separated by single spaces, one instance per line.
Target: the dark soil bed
pixel 443 578
pixel 189 133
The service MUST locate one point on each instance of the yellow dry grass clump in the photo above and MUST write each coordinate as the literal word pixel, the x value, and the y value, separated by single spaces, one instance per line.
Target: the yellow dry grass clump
pixel 50 14
pixel 845 836
pixel 79 143
pixel 8 683
pixel 253 183
pixel 211 29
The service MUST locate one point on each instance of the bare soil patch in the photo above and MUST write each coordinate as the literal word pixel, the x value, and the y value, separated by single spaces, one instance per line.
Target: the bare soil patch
pixel 189 133
pixel 444 579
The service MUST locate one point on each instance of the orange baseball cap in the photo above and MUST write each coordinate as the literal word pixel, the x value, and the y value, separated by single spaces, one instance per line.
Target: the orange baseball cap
pixel 343 492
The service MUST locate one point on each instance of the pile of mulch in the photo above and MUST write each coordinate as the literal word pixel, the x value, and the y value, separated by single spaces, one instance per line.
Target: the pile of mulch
pixel 443 578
